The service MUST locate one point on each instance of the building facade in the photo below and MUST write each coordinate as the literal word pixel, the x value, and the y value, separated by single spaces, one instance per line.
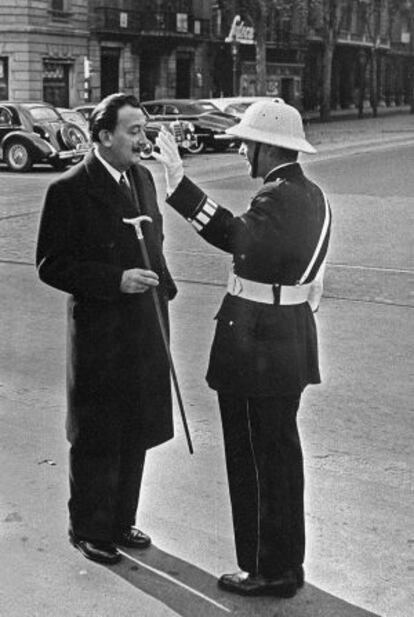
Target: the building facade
pixel 72 51
pixel 371 35
pixel 152 48
pixel 43 47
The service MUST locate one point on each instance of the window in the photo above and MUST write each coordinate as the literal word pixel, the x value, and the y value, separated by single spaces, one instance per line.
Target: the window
pixel 58 5
pixel 4 78
pixel 5 117
pixel 182 22
pixel 59 9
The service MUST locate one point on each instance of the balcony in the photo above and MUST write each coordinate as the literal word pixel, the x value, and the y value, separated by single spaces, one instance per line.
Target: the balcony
pixel 107 20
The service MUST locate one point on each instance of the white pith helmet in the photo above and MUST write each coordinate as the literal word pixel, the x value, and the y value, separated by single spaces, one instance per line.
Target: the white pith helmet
pixel 277 124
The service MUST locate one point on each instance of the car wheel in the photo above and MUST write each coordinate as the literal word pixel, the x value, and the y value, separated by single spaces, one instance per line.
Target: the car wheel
pixel 72 136
pixel 146 154
pixel 196 147
pixel 18 156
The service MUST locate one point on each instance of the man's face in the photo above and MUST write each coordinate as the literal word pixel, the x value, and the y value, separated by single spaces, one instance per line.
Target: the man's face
pixel 128 138
pixel 247 149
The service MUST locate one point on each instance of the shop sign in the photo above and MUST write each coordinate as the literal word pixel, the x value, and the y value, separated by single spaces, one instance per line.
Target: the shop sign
pixel 240 32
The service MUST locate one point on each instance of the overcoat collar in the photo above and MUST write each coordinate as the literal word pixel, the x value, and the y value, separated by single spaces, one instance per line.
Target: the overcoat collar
pixel 287 172
pixel 103 186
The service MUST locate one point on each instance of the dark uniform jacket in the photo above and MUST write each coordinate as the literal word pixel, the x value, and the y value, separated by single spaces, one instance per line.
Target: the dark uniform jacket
pixel 116 359
pixel 263 349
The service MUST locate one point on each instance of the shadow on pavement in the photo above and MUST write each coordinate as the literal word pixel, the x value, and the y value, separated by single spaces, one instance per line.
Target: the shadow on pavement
pixel 190 591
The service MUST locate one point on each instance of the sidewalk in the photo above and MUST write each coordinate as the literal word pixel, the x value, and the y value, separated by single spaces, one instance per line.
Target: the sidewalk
pixel 357 462
pixel 346 130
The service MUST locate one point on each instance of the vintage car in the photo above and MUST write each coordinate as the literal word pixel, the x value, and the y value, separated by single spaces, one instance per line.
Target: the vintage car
pixel 36 133
pixel 182 131
pixel 209 124
pixel 236 105
pixel 70 115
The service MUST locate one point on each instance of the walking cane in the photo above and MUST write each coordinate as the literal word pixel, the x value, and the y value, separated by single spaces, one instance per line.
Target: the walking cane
pixel 136 222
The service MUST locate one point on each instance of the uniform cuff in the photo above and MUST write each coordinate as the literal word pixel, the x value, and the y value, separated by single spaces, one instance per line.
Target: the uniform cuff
pixel 187 198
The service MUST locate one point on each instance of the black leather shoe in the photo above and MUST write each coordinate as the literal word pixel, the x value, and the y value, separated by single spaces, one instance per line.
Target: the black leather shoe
pixel 247 585
pixel 133 538
pixel 102 552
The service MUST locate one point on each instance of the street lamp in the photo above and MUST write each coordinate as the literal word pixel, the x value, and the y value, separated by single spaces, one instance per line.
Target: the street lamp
pixel 234 45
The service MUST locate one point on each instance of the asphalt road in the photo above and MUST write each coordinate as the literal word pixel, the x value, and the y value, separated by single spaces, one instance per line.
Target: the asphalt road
pixel 356 427
pixel 370 193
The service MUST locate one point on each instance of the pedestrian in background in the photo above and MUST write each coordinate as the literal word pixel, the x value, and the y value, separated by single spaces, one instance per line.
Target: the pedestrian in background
pixel 264 351
pixel 119 399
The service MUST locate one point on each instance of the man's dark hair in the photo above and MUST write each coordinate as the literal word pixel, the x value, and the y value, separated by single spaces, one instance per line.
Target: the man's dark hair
pixel 105 114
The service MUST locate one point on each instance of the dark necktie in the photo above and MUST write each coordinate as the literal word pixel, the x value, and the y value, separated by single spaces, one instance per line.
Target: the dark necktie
pixel 131 210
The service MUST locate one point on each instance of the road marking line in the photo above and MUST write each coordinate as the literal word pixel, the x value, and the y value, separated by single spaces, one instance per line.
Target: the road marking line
pixel 174 580
pixel 375 268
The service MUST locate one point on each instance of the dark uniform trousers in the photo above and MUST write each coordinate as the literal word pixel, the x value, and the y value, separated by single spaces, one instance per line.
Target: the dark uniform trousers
pixel 265 473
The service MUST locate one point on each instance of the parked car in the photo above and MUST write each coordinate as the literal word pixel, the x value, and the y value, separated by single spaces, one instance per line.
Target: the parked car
pixel 36 133
pixel 236 105
pixel 85 111
pixel 71 115
pixel 182 131
pixel 209 124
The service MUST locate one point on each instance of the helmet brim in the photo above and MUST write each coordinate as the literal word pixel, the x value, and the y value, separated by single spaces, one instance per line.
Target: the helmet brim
pixel 283 141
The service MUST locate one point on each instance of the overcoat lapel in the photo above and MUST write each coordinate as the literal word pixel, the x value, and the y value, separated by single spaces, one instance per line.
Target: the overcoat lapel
pixel 103 188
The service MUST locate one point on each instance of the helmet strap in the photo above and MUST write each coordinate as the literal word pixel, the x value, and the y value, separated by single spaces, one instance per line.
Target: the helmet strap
pixel 255 159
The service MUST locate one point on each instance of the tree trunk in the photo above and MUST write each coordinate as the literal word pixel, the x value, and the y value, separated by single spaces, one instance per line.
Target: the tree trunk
pixel 362 83
pixel 325 106
pixel 374 82
pixel 261 83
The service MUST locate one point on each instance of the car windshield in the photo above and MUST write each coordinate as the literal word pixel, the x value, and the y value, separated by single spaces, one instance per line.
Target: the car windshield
pixel 42 113
pixel 237 107
pixel 73 116
pixel 208 106
pixel 194 108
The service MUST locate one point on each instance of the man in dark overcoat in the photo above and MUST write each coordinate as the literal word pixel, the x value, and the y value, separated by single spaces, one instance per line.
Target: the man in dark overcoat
pixel 264 351
pixel 118 384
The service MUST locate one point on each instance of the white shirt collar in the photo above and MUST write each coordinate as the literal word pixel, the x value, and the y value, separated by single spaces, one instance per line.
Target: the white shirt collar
pixel 115 173
pixel 278 167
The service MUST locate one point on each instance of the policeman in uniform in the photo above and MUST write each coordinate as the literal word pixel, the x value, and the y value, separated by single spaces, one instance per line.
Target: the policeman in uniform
pixel 264 351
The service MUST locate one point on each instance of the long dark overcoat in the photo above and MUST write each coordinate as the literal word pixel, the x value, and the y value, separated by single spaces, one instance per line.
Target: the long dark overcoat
pixel 116 358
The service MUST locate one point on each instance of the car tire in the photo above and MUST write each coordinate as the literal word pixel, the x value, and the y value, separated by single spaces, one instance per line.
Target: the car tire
pixel 18 157
pixel 197 147
pixel 72 135
pixel 145 156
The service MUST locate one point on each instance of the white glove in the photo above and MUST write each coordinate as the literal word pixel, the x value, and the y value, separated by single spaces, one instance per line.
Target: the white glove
pixel 170 158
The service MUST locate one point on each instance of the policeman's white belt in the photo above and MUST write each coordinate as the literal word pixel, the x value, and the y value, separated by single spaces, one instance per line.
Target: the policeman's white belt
pixel 265 293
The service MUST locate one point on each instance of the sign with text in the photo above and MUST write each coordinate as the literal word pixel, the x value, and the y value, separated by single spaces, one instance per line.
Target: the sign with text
pixel 240 32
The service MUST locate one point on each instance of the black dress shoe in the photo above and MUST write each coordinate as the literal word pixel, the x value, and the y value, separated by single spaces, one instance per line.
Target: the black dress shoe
pixel 102 552
pixel 133 538
pixel 246 585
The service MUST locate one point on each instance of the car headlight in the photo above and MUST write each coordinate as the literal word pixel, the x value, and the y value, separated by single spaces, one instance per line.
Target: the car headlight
pixel 191 126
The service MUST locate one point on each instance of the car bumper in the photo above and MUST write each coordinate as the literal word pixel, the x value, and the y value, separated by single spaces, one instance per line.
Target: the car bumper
pixel 71 154
pixel 223 137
